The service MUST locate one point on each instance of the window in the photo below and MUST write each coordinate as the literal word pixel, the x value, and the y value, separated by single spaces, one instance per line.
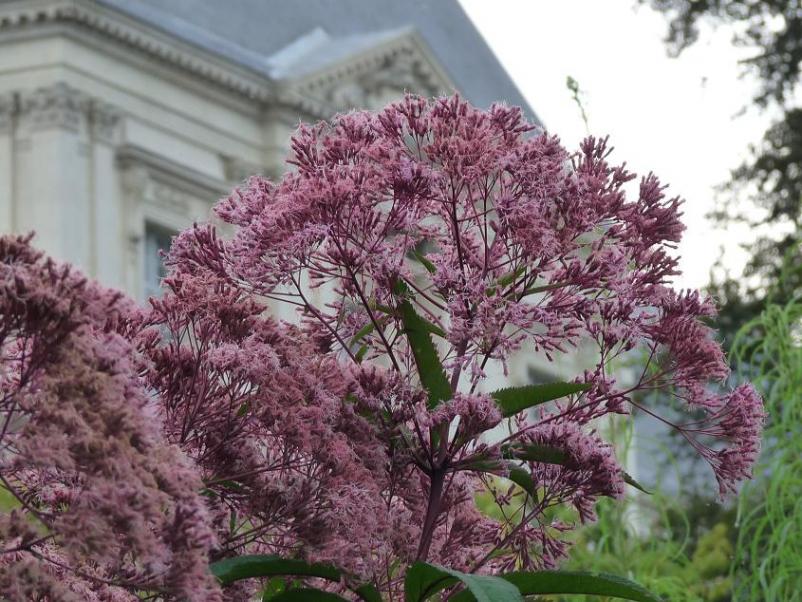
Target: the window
pixel 157 240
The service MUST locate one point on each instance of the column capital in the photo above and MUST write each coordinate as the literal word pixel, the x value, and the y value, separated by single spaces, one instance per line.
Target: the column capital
pixel 56 106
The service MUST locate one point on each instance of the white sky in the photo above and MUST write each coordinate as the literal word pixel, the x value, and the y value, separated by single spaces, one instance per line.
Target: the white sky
pixel 671 116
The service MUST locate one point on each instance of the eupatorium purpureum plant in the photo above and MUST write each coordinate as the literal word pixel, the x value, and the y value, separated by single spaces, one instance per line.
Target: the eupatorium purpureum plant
pixel 422 246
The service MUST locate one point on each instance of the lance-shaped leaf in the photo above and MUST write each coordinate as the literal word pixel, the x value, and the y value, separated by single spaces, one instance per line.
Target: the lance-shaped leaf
pixel 258 565
pixel 306 594
pixel 417 254
pixel 430 370
pixel 424 580
pixel 572 582
pixel 533 452
pixel 516 399
pixel 521 477
pixel 630 480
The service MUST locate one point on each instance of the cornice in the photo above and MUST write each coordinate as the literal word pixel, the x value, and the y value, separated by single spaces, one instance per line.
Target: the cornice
pixel 163 170
pixel 405 62
pixel 313 96
pixel 26 16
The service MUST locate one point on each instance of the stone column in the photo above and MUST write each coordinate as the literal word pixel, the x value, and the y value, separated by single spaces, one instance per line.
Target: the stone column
pixel 53 177
pixel 135 185
pixel 8 110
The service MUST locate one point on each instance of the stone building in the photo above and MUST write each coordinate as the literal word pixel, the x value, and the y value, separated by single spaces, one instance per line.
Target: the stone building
pixel 122 121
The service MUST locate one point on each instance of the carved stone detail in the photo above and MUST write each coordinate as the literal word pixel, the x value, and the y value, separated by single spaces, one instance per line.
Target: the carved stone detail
pixel 8 110
pixel 104 122
pixel 238 170
pixel 400 72
pixel 175 200
pixel 135 181
pixel 56 106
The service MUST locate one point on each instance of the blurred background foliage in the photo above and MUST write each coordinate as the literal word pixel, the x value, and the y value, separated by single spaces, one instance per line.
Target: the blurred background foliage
pixel 684 544
pixel 681 542
pixel 765 191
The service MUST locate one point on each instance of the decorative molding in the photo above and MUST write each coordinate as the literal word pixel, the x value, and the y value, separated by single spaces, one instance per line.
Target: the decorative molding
pixel 105 122
pixel 316 96
pixel 238 170
pixel 56 106
pixel 173 191
pixel 404 64
pixel 21 15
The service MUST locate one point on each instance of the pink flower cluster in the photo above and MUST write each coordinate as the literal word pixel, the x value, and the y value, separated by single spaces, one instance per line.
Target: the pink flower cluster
pixel 103 503
pixel 150 441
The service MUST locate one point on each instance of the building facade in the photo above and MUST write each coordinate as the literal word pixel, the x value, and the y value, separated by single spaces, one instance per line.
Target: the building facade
pixel 121 122
pixel 124 121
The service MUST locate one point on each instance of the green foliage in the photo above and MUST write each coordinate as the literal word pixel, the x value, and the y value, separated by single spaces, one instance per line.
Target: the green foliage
pixel 424 580
pixel 574 582
pixel 516 399
pixel 770 180
pixel 430 370
pixel 650 539
pixel 768 561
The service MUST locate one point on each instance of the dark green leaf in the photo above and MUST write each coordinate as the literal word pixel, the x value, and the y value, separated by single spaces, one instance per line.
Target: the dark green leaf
pixel 430 370
pixel 573 582
pixel 424 580
pixel 542 289
pixel 245 567
pixel 629 480
pixel 516 399
pixel 307 594
pixel 536 453
pixel 368 593
pixel 522 478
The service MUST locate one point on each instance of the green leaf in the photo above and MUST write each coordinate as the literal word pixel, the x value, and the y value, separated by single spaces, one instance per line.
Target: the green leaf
pixel 425 262
pixel 307 594
pixel 362 332
pixel 273 587
pixel 247 567
pixel 511 277
pixel 536 453
pixel 522 478
pixel 423 580
pixel 544 288
pixel 516 399
pixel 368 593
pixel 573 582
pixel 360 355
pixel 629 480
pixel 430 370
pixel 258 565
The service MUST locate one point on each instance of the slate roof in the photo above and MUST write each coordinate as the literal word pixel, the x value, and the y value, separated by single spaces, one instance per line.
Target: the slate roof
pixel 282 37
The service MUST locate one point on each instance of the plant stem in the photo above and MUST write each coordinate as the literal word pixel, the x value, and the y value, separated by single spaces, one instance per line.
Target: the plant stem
pixel 437 479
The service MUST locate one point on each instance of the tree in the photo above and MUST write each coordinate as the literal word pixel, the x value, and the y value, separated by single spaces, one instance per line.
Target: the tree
pixel 771 179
